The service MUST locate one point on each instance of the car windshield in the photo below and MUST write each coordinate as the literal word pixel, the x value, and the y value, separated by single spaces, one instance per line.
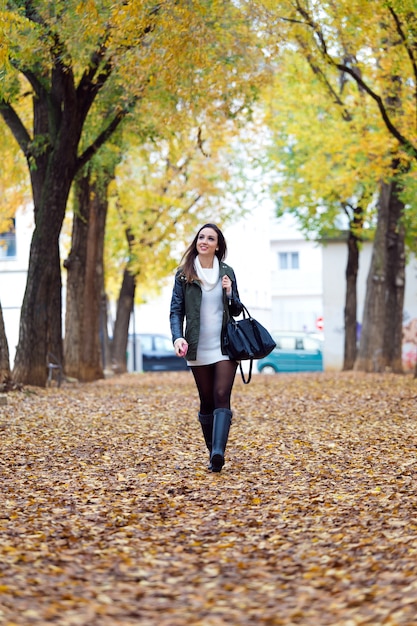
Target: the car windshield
pixel 163 344
pixel 146 343
pixel 311 344
pixel 290 342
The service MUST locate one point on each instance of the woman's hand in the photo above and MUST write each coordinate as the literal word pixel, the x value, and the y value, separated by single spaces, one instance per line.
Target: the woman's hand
pixel 227 285
pixel 180 346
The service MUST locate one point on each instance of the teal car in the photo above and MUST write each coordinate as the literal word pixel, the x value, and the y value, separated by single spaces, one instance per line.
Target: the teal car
pixel 293 353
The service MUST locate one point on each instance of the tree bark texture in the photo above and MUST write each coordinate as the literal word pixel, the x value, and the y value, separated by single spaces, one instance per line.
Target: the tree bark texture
pixel 371 346
pixel 121 326
pixel 125 305
pixel 91 365
pixel 104 334
pixel 395 283
pixel 85 284
pixel 75 266
pixel 40 331
pixel 380 342
pixel 350 313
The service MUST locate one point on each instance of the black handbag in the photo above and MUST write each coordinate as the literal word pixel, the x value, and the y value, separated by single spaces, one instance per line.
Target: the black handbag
pixel 245 340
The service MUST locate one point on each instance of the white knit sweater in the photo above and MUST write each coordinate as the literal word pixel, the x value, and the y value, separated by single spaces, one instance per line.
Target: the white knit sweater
pixel 211 316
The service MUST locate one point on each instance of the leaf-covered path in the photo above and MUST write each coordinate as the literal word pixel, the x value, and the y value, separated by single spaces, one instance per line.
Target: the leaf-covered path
pixel 108 515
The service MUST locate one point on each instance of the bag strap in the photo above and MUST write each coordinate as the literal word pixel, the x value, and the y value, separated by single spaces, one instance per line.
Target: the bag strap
pixel 246 382
pixel 245 312
pixel 245 315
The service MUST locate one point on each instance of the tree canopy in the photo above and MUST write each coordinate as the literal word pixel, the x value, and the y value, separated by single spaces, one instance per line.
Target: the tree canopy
pixel 88 65
pixel 324 159
pixel 369 43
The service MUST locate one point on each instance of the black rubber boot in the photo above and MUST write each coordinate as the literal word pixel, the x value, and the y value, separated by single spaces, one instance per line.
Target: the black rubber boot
pixel 206 422
pixel 221 427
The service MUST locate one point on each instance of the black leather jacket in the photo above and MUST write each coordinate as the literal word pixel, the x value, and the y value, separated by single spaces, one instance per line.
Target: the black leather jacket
pixel 186 303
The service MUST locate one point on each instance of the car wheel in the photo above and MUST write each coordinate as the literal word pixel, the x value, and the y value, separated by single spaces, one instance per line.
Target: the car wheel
pixel 268 369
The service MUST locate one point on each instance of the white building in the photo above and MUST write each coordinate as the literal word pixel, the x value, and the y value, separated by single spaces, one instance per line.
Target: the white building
pixel 296 278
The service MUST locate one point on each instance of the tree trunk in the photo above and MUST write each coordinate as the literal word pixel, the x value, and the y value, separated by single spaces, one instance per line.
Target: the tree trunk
pixel 382 318
pixel 395 283
pixel 125 306
pixel 75 266
pixel 104 334
pixel 351 303
pixel 40 331
pixel 370 355
pixel 4 352
pixel 85 284
pixel 91 365
pixel 351 273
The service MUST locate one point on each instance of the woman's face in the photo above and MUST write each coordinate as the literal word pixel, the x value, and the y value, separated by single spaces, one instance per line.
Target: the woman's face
pixel 207 241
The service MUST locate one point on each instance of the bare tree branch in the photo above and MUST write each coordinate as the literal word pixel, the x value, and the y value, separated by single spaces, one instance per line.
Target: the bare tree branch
pixel 16 125
pixel 101 139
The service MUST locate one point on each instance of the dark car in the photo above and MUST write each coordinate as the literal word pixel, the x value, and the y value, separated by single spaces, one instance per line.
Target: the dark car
pixel 157 353
pixel 295 352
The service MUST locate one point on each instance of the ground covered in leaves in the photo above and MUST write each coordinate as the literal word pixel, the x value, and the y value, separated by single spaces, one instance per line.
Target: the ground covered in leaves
pixel 108 515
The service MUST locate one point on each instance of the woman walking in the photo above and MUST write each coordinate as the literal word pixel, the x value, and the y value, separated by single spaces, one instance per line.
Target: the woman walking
pixel 205 295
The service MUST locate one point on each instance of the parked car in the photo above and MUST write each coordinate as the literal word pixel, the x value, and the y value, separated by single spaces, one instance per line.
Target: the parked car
pixel 295 352
pixel 157 354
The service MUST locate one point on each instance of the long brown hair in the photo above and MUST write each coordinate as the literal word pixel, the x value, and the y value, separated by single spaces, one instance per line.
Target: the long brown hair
pixel 187 261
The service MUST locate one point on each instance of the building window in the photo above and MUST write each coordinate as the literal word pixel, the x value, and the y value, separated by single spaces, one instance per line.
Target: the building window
pixel 8 243
pixel 288 261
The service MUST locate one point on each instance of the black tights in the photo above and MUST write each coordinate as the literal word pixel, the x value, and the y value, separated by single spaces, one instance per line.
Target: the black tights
pixel 214 383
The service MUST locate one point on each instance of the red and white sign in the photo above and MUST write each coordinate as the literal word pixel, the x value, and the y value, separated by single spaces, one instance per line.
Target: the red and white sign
pixel 320 324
